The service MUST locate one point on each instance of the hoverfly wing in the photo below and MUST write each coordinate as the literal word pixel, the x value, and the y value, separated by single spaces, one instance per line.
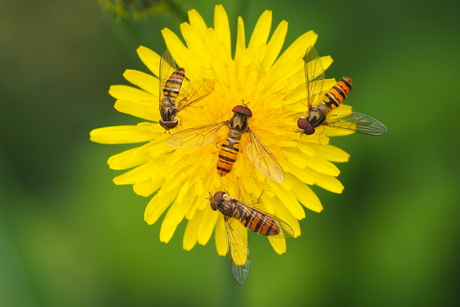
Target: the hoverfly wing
pixel 196 136
pixel 195 91
pixel 360 123
pixel 314 74
pixel 238 253
pixel 167 67
pixel 268 220
pixel 263 159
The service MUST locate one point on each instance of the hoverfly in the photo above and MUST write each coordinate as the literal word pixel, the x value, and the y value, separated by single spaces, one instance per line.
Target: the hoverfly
pixel 257 152
pixel 253 219
pixel 171 101
pixel 317 114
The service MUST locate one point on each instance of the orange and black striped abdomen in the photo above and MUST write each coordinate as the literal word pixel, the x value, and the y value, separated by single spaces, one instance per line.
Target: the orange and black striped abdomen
pixel 173 84
pixel 259 222
pixel 227 156
pixel 337 94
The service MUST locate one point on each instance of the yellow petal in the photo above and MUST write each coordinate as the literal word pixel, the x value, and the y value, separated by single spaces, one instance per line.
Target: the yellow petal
pixel 207 226
pixel 168 227
pixel 220 237
pixel 279 245
pixel 322 165
pixel 138 174
pixel 275 45
pixel 130 158
pixel 150 58
pixel 125 92
pixel 145 81
pixel 157 205
pixel 196 20
pixel 291 59
pixel 240 43
pixel 240 236
pixel 305 175
pixel 222 27
pixel 120 135
pixel 173 43
pixel 304 194
pixel 147 187
pixel 284 214
pixel 329 183
pixel 143 109
pixel 288 200
pixel 330 152
pixel 191 231
pixel 261 30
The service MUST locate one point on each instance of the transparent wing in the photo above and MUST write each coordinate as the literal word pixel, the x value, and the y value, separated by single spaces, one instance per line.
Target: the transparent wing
pixel 196 136
pixel 266 219
pixel 167 67
pixel 238 253
pixel 263 159
pixel 314 74
pixel 360 123
pixel 194 92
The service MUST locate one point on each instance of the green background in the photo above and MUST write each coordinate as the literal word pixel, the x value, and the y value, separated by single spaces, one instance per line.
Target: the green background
pixel 70 237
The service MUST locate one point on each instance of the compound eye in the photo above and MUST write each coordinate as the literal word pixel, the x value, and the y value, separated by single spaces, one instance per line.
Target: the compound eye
pixel 242 110
pixel 305 126
pixel 169 124
pixel 216 199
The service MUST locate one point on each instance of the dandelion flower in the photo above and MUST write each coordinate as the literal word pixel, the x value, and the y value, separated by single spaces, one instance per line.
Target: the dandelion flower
pixel 272 85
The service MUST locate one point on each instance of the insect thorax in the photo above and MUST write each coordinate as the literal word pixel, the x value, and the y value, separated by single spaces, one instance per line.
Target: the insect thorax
pixel 168 109
pixel 228 208
pixel 316 115
pixel 239 123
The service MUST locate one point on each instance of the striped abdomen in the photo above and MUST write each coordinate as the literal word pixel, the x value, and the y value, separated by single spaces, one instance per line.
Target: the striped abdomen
pixel 173 84
pixel 316 116
pixel 336 95
pixel 227 155
pixel 258 222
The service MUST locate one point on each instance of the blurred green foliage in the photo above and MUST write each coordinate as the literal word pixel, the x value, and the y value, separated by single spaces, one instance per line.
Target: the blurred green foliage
pixel 70 237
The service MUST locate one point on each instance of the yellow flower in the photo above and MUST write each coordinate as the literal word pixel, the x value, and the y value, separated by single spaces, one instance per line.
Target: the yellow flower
pixel 270 84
